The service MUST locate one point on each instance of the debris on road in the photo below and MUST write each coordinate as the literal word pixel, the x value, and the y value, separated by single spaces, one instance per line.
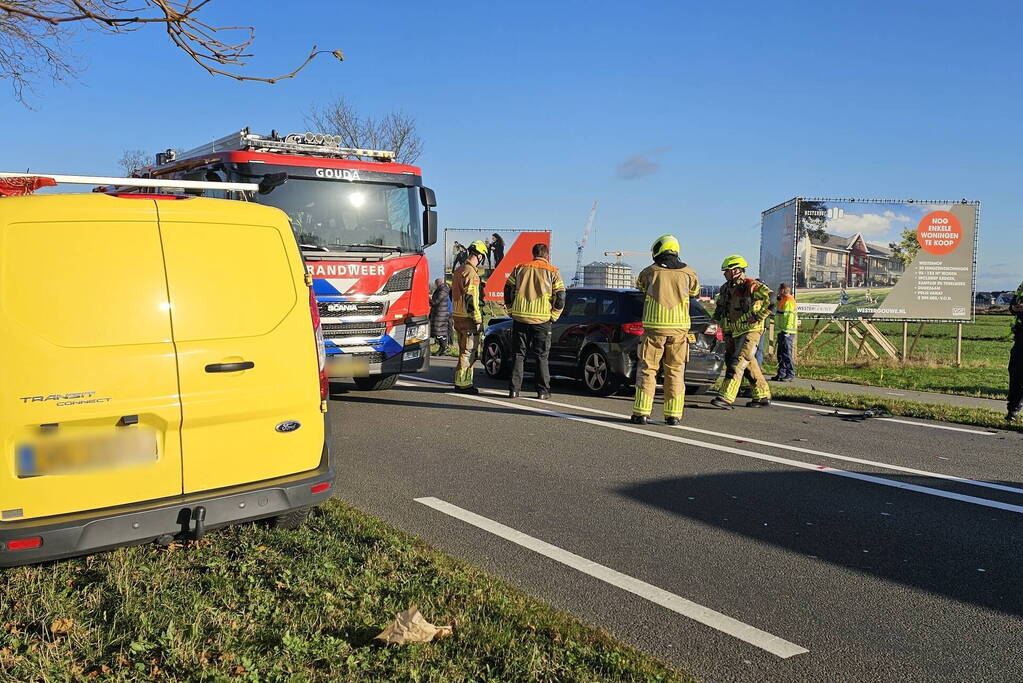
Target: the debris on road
pixel 411 627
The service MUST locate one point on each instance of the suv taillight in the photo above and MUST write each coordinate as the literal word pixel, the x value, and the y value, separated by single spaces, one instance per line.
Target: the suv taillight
pixel 633 328
pixel 321 351
pixel 714 330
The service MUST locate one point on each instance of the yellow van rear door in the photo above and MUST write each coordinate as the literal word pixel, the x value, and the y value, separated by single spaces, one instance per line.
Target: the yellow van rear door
pixel 246 353
pixel 89 407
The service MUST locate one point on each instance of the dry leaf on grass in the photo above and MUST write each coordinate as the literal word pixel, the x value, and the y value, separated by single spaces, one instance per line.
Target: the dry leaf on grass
pixel 411 627
pixel 61 626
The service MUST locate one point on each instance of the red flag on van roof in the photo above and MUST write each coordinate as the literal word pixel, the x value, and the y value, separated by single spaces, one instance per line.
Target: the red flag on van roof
pixel 12 187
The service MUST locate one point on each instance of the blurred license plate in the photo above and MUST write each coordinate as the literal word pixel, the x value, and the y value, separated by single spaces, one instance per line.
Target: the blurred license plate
pixel 66 455
pixel 344 366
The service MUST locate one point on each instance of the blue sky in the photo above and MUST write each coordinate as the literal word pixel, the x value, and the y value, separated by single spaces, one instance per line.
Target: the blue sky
pixel 680 117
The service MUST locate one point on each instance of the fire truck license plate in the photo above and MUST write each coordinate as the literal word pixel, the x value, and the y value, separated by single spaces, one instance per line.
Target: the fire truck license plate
pixel 344 366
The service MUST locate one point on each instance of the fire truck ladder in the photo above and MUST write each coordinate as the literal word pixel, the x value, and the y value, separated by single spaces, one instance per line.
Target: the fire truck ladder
pixel 315 144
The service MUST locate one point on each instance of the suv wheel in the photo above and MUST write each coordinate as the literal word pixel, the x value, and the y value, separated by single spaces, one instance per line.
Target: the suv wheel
pixel 292 519
pixel 494 363
pixel 375 382
pixel 597 375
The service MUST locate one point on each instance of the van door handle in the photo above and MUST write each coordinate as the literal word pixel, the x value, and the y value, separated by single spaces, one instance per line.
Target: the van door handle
pixel 230 367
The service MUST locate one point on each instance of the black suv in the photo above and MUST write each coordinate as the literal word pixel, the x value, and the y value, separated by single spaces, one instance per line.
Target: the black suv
pixel 596 338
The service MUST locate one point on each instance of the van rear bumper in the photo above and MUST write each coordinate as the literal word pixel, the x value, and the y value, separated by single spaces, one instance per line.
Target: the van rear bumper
pixel 96 530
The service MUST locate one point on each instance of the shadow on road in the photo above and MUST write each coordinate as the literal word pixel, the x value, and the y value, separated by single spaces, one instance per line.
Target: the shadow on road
pixel 955 549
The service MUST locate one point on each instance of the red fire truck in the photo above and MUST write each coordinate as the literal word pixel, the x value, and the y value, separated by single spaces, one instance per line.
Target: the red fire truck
pixel 362 222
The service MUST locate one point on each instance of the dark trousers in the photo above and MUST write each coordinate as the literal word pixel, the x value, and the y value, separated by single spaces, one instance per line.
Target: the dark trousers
pixel 785 367
pixel 534 339
pixel 1016 374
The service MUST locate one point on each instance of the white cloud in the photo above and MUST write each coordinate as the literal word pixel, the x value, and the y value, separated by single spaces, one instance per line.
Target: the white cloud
pixel 869 224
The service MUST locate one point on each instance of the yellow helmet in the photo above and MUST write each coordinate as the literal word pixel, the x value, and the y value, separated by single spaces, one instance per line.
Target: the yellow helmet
pixel 663 244
pixel 734 261
pixel 479 247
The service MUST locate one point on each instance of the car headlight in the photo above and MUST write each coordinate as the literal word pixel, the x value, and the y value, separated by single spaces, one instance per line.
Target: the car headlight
pixel 417 333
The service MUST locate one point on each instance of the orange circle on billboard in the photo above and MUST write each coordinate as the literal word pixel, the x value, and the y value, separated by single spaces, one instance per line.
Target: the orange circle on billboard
pixel 939 232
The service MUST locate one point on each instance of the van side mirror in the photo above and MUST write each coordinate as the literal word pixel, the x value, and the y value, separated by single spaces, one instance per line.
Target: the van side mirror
pixel 427 197
pixel 271 181
pixel 429 228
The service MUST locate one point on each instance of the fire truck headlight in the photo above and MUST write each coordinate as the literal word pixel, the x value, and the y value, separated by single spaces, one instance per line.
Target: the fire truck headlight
pixel 417 333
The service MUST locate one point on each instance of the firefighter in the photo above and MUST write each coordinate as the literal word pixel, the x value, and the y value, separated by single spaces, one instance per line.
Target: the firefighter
pixel 535 296
pixel 666 285
pixel 1016 359
pixel 742 305
pixel 467 314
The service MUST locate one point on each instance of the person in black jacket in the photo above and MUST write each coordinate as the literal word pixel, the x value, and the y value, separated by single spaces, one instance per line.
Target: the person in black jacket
pixel 496 248
pixel 1016 359
pixel 440 314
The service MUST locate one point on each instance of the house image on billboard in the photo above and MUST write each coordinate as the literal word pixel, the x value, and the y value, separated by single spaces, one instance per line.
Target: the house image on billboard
pixel 827 260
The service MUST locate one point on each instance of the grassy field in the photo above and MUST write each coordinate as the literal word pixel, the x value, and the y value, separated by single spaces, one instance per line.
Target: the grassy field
pixel 986 345
pixel 254 603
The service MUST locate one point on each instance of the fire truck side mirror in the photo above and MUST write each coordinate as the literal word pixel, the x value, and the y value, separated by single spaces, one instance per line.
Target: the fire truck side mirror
pixel 429 228
pixel 428 197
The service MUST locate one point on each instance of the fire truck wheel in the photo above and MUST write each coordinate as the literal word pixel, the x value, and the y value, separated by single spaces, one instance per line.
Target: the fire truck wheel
pixel 375 382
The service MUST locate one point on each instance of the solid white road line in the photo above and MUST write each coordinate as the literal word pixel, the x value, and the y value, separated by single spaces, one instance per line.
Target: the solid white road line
pixel 1008 507
pixel 687 608
pixel 826 409
pixel 810 451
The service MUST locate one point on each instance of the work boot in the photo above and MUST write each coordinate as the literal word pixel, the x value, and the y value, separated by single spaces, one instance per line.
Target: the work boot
pixel 1013 416
pixel 543 395
pixel 513 393
pixel 759 403
pixel 721 403
pixel 777 378
pixel 639 420
pixel 672 421
pixel 467 390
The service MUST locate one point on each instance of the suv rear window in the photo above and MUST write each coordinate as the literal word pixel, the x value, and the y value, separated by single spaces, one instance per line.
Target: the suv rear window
pixel 633 305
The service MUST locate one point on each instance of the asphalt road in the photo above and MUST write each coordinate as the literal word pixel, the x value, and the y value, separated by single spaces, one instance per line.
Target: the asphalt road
pixel 890 566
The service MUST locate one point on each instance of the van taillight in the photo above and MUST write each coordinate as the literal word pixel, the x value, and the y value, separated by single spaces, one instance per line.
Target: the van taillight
pixel 319 488
pixel 633 328
pixel 321 351
pixel 25 543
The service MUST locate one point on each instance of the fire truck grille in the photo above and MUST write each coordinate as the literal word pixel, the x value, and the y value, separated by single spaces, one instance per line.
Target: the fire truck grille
pixel 374 357
pixel 373 330
pixel 339 309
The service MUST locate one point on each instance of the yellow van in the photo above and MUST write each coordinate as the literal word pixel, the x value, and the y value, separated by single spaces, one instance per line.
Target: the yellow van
pixel 158 372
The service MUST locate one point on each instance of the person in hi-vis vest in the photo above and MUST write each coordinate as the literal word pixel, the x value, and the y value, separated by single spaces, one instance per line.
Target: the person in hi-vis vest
pixel 741 307
pixel 786 323
pixel 467 314
pixel 666 284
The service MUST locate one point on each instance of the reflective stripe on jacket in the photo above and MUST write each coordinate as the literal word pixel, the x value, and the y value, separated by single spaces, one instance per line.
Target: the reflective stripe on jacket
pixel 535 286
pixel 785 319
pixel 743 306
pixel 465 290
pixel 666 296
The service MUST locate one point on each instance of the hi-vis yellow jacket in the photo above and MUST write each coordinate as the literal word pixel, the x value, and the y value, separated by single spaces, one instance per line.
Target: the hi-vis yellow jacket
pixel 743 306
pixel 534 292
pixel 465 293
pixel 785 319
pixel 667 292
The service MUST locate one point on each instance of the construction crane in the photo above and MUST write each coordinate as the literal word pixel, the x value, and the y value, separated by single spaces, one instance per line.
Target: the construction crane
pixel 581 245
pixel 619 254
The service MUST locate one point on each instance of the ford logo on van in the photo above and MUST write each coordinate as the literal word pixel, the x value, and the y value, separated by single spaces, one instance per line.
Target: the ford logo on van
pixel 288 426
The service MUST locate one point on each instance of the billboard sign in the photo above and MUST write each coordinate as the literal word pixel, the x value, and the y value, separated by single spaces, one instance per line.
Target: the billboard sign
pixel 874 259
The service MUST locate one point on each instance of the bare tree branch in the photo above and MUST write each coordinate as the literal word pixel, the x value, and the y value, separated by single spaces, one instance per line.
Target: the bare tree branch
pixel 395 132
pixel 32 31
pixel 133 160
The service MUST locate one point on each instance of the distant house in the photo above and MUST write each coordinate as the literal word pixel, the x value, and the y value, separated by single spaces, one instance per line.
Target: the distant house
pixel 838 261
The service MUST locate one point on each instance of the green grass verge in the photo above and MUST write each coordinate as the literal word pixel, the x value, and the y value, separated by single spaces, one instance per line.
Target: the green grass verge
pixel 255 603
pixel 978 417
pixel 983 373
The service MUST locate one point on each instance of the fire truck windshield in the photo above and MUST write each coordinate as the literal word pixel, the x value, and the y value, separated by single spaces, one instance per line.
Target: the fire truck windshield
pixel 327 215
